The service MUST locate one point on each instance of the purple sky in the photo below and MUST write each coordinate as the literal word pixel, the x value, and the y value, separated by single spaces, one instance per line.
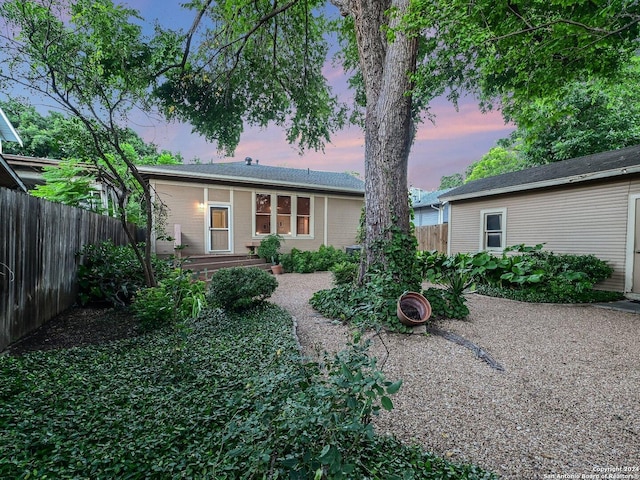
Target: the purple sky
pixel 455 141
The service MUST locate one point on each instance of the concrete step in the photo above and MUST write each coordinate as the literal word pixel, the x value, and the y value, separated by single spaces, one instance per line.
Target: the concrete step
pixel 204 266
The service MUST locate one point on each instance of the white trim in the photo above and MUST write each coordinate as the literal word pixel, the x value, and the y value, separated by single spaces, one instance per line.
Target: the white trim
pixel 488 211
pixel 274 194
pixel 325 238
pixel 226 205
pixel 7 132
pixel 629 251
pixel 205 220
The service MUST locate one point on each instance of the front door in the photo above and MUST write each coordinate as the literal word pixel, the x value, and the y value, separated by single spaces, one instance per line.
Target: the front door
pixel 219 228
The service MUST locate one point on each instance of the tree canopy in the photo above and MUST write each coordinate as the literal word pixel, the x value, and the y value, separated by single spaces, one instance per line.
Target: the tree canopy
pixel 261 62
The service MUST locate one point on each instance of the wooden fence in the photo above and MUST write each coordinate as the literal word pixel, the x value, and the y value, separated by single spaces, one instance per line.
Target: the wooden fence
pixel 433 237
pixel 38 263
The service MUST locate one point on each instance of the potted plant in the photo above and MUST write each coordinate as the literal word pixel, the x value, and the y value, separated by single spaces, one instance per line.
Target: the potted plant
pixel 269 249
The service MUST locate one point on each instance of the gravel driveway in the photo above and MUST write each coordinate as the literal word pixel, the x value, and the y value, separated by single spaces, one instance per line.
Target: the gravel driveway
pixel 566 405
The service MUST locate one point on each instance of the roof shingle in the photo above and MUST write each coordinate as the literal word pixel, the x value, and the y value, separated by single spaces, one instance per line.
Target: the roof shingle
pixel 599 165
pixel 259 173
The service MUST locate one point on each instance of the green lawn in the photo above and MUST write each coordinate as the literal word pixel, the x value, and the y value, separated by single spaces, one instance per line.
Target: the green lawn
pixel 222 397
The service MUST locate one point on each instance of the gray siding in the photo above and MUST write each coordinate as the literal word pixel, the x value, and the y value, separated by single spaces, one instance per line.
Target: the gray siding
pixel 585 219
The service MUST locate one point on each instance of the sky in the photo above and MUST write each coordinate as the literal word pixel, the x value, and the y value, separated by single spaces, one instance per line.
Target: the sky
pixel 457 139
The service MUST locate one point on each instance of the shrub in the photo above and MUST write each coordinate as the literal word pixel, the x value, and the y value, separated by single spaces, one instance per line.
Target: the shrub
pixel 269 248
pixel 176 298
pixel 446 304
pixel 521 272
pixel 372 305
pixel 239 288
pixel 344 273
pixel 323 259
pixel 110 273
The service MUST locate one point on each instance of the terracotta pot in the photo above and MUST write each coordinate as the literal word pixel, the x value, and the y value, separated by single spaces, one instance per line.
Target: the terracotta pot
pixel 276 269
pixel 413 309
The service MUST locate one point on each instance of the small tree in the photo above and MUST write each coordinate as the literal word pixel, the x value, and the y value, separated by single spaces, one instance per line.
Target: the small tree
pixel 94 63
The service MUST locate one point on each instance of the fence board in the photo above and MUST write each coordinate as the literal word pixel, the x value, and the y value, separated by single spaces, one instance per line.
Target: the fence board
pixel 433 237
pixel 38 262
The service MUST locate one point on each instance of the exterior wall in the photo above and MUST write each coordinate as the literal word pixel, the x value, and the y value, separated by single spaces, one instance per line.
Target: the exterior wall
pixel 584 219
pixel 187 205
pixel 343 221
pixel 183 206
pixel 425 216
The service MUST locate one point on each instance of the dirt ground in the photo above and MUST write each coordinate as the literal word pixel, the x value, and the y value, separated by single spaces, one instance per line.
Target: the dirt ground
pixel 78 327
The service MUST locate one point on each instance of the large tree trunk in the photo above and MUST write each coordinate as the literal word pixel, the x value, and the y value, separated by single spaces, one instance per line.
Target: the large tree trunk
pixel 386 67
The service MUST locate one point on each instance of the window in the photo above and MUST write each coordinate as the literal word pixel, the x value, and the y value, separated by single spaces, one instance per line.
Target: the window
pixel 284 215
pixel 263 214
pixel 291 217
pixel 303 216
pixel 493 229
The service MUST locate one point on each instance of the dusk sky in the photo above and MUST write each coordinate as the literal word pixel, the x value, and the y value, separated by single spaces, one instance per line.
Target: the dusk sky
pixel 457 139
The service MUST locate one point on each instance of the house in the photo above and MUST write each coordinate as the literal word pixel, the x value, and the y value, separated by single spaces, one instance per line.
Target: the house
pixel 30 170
pixel 427 207
pixel 585 205
pixel 8 177
pixel 227 208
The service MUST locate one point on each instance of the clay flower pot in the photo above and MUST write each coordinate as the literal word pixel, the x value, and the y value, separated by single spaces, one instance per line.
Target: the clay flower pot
pixel 413 309
pixel 276 269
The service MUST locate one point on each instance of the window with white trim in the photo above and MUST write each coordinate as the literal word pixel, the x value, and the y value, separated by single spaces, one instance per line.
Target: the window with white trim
pixel 291 217
pixel 262 207
pixel 493 228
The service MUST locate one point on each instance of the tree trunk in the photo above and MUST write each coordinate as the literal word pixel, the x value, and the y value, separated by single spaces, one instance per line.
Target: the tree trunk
pixel 386 68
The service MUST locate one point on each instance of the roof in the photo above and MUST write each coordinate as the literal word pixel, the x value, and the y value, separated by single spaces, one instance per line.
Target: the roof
pixel 429 198
pixel 7 132
pixel 613 163
pixel 9 178
pixel 253 173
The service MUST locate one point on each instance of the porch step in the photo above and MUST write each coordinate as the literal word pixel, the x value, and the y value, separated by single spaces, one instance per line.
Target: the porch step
pixel 203 266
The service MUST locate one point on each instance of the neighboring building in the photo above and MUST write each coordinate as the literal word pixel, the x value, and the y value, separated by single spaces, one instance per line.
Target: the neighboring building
pixel 586 205
pixel 8 177
pixel 427 207
pixel 30 170
pixel 226 208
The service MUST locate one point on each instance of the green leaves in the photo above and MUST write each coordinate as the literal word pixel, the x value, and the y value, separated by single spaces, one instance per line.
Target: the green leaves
pixel 224 397
pixel 258 63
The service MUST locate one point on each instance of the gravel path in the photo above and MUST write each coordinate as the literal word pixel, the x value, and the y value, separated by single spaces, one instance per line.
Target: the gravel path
pixel 566 406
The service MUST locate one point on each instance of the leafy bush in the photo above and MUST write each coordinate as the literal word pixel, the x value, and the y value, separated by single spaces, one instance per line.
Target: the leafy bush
pixel 323 259
pixel 239 288
pixel 446 304
pixel 221 399
pixel 344 273
pixel 176 298
pixel 521 272
pixel 110 273
pixel 372 305
pixel 550 296
pixel 269 248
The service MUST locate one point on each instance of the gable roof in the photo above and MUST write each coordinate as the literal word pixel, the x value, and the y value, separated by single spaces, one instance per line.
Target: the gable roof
pixel 242 173
pixel 427 199
pixel 613 163
pixel 7 132
pixel 8 177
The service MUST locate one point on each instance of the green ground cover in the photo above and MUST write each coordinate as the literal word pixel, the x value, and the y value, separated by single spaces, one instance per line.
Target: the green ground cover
pixel 220 397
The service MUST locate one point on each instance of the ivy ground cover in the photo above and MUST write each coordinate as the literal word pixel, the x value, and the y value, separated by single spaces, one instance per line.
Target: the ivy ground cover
pixel 220 397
